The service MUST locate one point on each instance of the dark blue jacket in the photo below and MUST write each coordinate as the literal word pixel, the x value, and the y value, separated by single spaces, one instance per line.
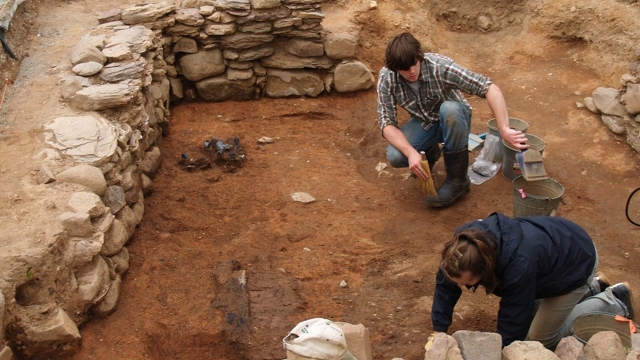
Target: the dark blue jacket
pixel 539 257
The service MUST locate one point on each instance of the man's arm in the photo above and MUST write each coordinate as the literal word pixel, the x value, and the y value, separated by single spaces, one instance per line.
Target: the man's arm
pixel 396 138
pixel 475 84
pixel 389 124
pixel 498 106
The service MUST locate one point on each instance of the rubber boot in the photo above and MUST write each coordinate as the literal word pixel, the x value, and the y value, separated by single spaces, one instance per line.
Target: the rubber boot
pixel 457 183
pixel 433 155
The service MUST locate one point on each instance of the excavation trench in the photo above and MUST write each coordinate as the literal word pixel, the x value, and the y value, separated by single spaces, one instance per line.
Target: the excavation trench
pixel 229 258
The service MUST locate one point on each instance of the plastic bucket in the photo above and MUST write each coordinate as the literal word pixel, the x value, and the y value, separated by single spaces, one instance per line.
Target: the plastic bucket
pixel 514 123
pixel 587 325
pixel 541 197
pixel 510 166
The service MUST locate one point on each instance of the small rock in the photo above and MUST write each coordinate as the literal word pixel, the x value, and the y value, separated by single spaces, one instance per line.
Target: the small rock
pixel 604 345
pixel 627 79
pixel 527 350
pixel 633 355
pixel 88 68
pixel 109 16
pixel 381 166
pixel 45 176
pixel 569 348
pixel 302 197
pixel 590 104
pixel 265 140
pixel 483 22
pixel 343 284
pixel 373 5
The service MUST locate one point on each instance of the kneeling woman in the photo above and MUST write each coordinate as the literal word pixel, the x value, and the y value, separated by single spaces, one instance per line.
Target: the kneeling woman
pixel 543 268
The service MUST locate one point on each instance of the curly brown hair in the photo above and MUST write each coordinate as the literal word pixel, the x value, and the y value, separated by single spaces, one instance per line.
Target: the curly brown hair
pixel 402 52
pixel 474 251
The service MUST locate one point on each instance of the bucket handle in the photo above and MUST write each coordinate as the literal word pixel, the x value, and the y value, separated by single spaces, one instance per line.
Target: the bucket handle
pixel 547 199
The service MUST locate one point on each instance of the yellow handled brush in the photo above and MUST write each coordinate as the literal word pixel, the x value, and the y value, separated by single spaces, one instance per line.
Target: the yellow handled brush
pixel 426 186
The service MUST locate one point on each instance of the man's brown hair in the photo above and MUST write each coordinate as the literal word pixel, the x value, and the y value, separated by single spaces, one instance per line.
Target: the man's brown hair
pixel 402 52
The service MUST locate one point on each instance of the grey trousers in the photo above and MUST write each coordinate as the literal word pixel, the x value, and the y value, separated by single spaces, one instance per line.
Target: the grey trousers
pixel 554 316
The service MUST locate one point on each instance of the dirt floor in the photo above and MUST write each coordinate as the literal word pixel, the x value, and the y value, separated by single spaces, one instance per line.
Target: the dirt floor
pixel 205 229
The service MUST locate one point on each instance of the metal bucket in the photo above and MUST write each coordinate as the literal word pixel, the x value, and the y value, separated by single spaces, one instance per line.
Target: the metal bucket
pixel 587 325
pixel 541 197
pixel 514 123
pixel 510 166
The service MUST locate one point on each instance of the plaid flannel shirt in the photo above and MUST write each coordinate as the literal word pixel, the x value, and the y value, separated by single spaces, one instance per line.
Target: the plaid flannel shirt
pixel 441 79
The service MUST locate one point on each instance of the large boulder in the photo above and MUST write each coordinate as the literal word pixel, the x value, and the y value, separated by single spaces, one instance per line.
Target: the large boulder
pixel 282 83
pixel 352 76
pixel 202 65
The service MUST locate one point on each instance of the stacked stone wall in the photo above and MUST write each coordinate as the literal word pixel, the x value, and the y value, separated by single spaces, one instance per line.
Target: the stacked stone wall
pixel 241 50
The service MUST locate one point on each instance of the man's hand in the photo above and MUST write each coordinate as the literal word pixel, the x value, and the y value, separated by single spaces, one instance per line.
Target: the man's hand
pixel 415 166
pixel 515 138
pixel 396 138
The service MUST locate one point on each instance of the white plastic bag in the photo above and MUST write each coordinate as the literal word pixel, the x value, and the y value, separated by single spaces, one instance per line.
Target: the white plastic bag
pixel 484 168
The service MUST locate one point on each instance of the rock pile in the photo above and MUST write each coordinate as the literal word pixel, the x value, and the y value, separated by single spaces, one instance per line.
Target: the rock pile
pixel 620 109
pixel 488 346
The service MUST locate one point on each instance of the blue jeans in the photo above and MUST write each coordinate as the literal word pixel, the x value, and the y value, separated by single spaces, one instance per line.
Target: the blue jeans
pixel 452 130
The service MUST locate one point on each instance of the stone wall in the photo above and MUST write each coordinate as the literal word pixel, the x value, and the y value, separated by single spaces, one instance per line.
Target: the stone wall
pixel 241 50
pixel 619 109
pixel 123 75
